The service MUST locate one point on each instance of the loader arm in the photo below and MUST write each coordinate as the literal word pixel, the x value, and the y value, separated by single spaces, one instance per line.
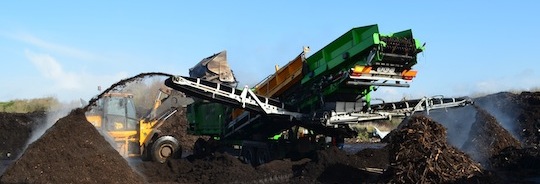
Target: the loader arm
pixel 165 105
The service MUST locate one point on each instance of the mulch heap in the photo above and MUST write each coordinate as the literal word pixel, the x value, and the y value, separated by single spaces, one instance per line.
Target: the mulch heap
pixel 71 151
pixel 327 166
pixel 522 110
pixel 487 138
pixel 529 119
pixel 420 153
pixel 512 161
pixel 335 166
pixel 215 168
pixel 15 130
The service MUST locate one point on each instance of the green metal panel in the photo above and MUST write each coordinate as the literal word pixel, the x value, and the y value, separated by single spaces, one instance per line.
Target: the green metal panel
pixel 206 118
pixel 402 34
pixel 349 49
pixel 331 56
pixel 398 50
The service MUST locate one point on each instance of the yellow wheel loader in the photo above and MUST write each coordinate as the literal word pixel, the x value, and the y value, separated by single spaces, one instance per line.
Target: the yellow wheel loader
pixel 114 115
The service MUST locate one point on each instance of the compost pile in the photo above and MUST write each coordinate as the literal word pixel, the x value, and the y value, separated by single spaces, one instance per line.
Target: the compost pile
pixel 505 107
pixel 374 158
pixel 513 160
pixel 419 153
pixel 15 130
pixel 215 168
pixel 324 166
pixel 503 132
pixel 71 151
pixel 522 111
pixel 529 119
pixel 487 138
pixel 335 166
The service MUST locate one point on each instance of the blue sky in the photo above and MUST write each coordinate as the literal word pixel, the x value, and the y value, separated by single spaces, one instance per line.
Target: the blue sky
pixel 66 49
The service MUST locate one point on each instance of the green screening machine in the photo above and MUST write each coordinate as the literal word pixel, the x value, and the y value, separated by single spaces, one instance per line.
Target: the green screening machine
pixel 340 74
pixel 325 92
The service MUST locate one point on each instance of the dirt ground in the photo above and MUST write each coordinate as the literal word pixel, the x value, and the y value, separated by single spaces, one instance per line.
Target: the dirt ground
pixel 82 155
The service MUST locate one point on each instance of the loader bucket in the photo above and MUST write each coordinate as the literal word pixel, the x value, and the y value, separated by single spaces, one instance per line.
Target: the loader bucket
pixel 215 69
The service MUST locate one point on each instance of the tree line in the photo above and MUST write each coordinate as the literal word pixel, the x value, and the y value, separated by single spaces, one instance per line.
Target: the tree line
pixel 29 105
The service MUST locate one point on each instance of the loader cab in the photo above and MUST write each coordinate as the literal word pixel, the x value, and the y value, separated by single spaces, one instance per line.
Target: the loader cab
pixel 115 115
pixel 119 113
pixel 114 112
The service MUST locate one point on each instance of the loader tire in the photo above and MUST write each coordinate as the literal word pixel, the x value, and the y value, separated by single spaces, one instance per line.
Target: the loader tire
pixel 164 148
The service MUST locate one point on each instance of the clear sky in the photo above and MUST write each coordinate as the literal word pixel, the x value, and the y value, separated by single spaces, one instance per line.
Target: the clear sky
pixel 66 49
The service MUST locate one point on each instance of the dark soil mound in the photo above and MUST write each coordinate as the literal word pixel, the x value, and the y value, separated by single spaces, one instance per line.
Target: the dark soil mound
pixel 512 158
pixel 419 153
pixel 327 166
pixel 374 158
pixel 15 130
pixel 71 151
pixel 176 126
pixel 217 168
pixel 335 166
pixel 505 107
pixel 281 169
pixel 487 138
pixel 517 113
pixel 529 119
pixel 517 165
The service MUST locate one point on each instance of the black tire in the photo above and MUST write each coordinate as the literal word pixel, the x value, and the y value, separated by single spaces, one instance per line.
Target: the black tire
pixel 248 156
pixel 164 148
pixel 200 147
pixel 262 156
